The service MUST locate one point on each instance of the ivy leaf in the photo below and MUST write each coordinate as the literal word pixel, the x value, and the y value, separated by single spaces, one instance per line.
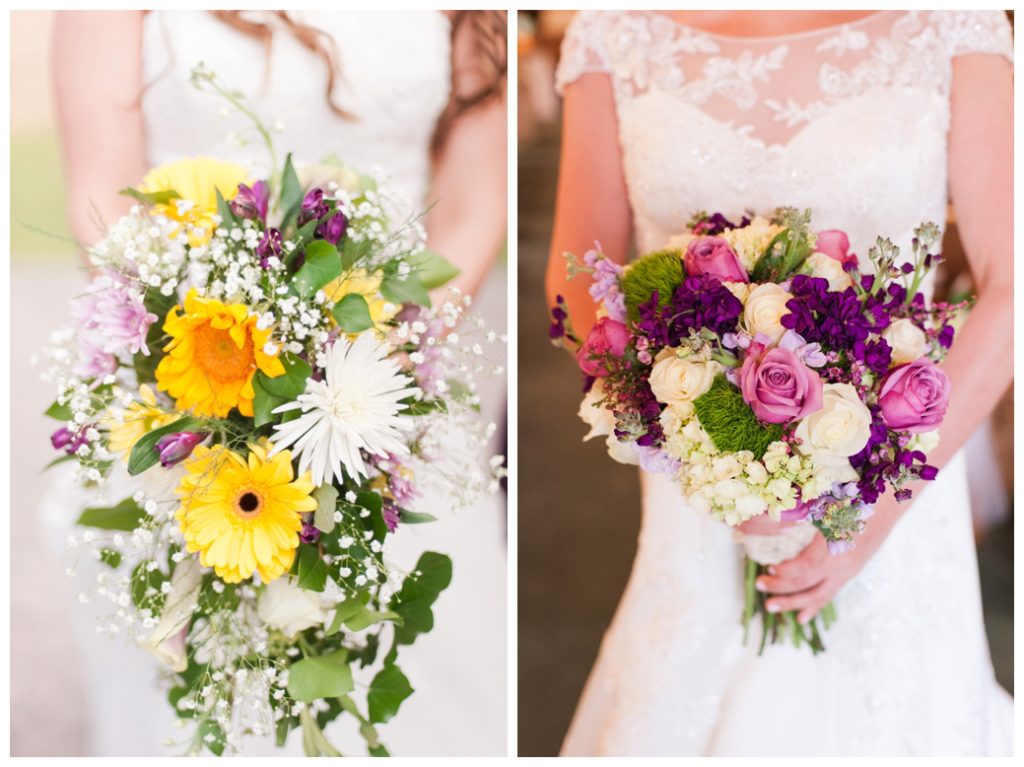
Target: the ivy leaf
pixel 292 382
pixel 433 269
pixel 263 402
pixel 322 265
pixel 212 736
pixel 352 314
pixel 346 610
pixel 312 570
pixel 387 691
pixel 126 516
pixel 410 290
pixel 58 411
pixel 326 676
pixel 420 589
pixel 365 617
pixel 326 502
pixel 144 454
pixel 150 198
pixel 291 192
pixel 352 252
pixel 375 505
pixel 110 557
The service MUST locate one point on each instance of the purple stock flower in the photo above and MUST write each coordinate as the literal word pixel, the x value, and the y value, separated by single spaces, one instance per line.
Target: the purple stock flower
pixel 251 202
pixel 700 302
pixel 837 320
pixel 656 461
pixel 716 224
pixel 309 533
pixel 175 448
pixel 271 245
pixel 605 287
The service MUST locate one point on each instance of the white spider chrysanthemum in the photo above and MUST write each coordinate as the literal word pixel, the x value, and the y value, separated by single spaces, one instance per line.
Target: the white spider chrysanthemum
pixel 356 407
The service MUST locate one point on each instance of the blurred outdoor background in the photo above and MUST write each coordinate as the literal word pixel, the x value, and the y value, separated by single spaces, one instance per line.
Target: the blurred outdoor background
pixel 579 512
pixel 51 713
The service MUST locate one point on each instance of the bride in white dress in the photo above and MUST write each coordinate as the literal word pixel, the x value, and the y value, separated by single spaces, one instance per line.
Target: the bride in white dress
pixel 405 99
pixel 873 121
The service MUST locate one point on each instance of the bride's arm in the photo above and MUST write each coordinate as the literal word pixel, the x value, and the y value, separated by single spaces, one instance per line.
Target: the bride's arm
pixel 468 225
pixel 980 364
pixel 591 203
pixel 97 71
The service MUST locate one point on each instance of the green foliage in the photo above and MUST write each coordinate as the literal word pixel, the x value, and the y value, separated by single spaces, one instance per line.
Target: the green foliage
pixel 150 198
pixel 110 557
pixel 352 314
pixel 227 216
pixel 730 422
pixel 144 454
pixel 291 192
pixel 145 587
pixel 326 502
pixel 292 382
pixel 126 516
pixel 415 517
pixel 661 271
pixel 409 290
pixel 311 569
pixel 263 402
pixel 58 411
pixel 322 265
pixel 145 364
pixel 387 692
pixel 788 250
pixel 326 676
pixel 421 588
pixel 212 736
pixel 433 269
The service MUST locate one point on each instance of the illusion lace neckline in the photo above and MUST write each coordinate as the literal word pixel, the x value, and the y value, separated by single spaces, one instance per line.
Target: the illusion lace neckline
pixel 769 39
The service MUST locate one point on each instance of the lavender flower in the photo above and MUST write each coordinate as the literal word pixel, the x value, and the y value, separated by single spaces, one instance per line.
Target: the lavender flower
pixel 314 207
pixel 391 516
pixel 334 228
pixel 270 245
pixel 309 533
pixel 175 448
pixel 605 287
pixel 251 202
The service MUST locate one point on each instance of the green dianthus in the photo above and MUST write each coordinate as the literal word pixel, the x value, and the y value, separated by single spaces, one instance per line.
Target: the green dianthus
pixel 730 422
pixel 661 271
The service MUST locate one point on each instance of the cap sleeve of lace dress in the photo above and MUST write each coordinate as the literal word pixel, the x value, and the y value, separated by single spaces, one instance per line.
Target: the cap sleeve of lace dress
pixel 583 49
pixel 981 32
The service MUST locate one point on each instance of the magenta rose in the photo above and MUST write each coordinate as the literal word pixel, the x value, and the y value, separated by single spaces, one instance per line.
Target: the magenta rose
pixel 835 244
pixel 606 337
pixel 913 397
pixel 712 255
pixel 778 386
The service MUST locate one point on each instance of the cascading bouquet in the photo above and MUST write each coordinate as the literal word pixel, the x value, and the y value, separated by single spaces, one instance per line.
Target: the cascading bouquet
pixel 257 372
pixel 758 365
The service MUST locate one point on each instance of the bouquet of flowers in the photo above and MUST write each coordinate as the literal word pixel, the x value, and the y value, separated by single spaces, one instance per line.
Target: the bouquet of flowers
pixel 763 369
pixel 259 374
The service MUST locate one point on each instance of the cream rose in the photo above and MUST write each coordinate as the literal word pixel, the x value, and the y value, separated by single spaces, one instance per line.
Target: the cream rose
pixel 829 269
pixel 765 308
pixel 679 380
pixel 602 424
pixel 289 608
pixel 907 340
pixel 739 289
pixel 838 430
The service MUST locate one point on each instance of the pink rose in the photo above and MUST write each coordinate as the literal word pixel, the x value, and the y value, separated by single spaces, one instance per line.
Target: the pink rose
pixel 835 244
pixel 778 386
pixel 606 337
pixel 913 397
pixel 712 255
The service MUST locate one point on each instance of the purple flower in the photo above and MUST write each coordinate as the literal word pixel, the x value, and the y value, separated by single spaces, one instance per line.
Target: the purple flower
pixel 251 202
pixel 391 516
pixel 654 460
pixel 314 207
pixel 309 533
pixel 779 387
pixel 838 547
pixel 175 448
pixel 716 224
pixel 876 355
pixel 606 338
pixel 700 302
pixel 61 438
pixel 334 228
pixel 810 354
pixel 836 320
pixel 111 319
pixel 714 256
pixel 271 245
pixel 914 397
pixel 605 287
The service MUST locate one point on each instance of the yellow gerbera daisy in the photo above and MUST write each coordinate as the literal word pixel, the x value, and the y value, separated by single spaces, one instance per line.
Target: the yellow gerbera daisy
pixel 366 284
pixel 196 180
pixel 243 516
pixel 215 350
pixel 137 420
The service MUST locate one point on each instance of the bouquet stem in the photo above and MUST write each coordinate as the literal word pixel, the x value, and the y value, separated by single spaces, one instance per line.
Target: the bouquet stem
pixel 777 628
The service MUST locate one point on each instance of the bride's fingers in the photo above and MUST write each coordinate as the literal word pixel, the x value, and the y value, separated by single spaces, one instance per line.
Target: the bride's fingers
pixel 793 584
pixel 799 573
pixel 804 600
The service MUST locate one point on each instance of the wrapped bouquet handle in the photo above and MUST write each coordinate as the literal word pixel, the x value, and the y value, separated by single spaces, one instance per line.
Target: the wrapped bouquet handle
pixel 773 549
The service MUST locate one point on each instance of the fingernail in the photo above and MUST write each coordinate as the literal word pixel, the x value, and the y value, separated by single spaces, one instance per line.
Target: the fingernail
pixel 772 607
pixel 771 570
pixel 804 619
pixel 760 586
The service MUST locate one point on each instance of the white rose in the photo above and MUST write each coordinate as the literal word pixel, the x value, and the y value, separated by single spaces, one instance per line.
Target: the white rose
pixel 925 441
pixel 739 289
pixel 907 340
pixel 167 640
pixel 838 430
pixel 285 606
pixel 676 380
pixel 600 420
pixel 766 306
pixel 829 269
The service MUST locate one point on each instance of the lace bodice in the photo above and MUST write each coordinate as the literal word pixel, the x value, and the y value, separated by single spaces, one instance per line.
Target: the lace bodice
pixel 394 100
pixel 850 121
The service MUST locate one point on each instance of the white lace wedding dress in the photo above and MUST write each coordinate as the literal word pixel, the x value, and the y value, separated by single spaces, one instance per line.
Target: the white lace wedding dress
pixel 851 122
pixel 395 80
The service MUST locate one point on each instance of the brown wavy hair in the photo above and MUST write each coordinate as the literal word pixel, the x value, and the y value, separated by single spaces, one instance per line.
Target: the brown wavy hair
pixel 481 35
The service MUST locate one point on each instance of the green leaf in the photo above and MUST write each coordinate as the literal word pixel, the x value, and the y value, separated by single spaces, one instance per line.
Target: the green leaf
pixel 387 691
pixel 344 611
pixel 423 407
pixel 326 676
pixel 415 517
pixel 365 618
pixel 352 252
pixel 58 411
pixel 378 750
pixel 57 460
pixel 433 269
pixel 352 314
pixel 224 211
pixel 150 198
pixel 431 576
pixel 212 736
pixel 322 265
pixel 143 582
pixel 110 557
pixel 375 522
pixel 144 454
pixel 263 402
pixel 126 516
pixel 326 503
pixel 292 382
pixel 410 290
pixel 291 192
pixel 312 570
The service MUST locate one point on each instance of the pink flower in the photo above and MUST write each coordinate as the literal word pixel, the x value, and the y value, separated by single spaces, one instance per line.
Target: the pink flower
pixel 778 386
pixel 835 244
pixel 607 337
pixel 914 397
pixel 712 255
pixel 111 318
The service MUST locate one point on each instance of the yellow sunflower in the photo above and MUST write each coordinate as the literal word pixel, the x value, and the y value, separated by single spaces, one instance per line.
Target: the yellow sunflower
pixel 243 516
pixel 215 350
pixel 196 180
pixel 137 420
pixel 366 284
